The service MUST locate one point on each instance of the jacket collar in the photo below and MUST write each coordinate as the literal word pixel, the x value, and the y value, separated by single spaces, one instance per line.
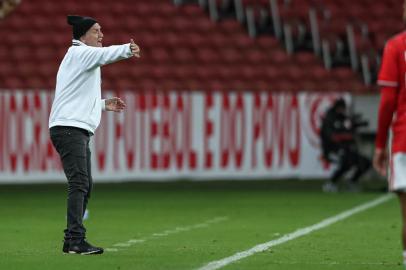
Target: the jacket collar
pixel 76 42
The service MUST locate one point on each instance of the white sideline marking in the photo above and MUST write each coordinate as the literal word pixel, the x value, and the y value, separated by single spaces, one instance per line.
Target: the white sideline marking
pixel 122 245
pixel 111 249
pixel 134 241
pixel 298 233
pixel 333 263
pixel 131 242
pixel 160 234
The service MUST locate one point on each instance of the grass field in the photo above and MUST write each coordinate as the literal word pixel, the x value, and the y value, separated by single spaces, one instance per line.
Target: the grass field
pixel 184 226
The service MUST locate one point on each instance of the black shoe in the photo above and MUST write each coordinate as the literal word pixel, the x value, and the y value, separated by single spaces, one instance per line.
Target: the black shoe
pixel 82 247
pixel 65 248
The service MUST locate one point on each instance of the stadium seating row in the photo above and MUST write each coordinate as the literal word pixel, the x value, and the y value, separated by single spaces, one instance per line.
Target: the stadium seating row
pixel 181 48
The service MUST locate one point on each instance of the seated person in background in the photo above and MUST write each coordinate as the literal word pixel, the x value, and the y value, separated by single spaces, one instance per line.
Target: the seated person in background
pixel 339 146
pixel 6 6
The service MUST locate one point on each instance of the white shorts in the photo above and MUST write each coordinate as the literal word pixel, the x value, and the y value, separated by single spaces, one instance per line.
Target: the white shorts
pixel 397 172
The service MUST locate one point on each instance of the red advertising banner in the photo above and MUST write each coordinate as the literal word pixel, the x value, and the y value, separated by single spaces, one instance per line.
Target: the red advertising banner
pixel 170 136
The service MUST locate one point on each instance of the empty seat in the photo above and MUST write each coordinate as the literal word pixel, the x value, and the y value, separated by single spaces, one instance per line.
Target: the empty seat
pixel 180 46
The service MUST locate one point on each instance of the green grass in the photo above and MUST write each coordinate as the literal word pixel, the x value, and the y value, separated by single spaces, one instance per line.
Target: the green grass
pixel 32 219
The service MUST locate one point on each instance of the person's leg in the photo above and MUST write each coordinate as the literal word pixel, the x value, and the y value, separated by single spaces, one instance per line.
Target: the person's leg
pixel 343 166
pixel 78 187
pixel 362 165
pixel 71 146
pixel 90 178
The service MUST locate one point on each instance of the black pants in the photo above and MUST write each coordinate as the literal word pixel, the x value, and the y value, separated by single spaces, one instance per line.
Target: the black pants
pixel 72 144
pixel 349 160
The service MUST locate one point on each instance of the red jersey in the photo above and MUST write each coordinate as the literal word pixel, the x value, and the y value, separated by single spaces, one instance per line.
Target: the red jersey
pixel 392 77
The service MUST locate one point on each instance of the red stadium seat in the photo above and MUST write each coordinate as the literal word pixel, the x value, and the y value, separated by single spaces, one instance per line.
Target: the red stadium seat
pixel 180 46
pixel 14 82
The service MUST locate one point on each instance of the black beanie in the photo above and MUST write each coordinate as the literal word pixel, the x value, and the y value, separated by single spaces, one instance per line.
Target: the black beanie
pixel 340 103
pixel 80 25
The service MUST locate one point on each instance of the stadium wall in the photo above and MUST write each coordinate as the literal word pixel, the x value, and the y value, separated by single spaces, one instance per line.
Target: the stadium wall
pixel 169 136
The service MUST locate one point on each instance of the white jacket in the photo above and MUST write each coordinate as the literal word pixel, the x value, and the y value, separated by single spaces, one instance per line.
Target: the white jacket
pixel 77 101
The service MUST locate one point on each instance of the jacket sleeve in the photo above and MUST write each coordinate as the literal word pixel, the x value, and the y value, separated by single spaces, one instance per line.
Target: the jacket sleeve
pixel 387 107
pixel 325 136
pixel 389 73
pixel 92 57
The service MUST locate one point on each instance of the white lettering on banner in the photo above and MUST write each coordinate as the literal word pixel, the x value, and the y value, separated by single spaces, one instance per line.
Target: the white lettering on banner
pixel 208 127
pixel 277 124
pixel 232 130
pixel 172 135
pixel 24 137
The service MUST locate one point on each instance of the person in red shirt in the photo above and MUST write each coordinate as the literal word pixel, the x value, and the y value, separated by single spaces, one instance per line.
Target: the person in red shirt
pixel 392 115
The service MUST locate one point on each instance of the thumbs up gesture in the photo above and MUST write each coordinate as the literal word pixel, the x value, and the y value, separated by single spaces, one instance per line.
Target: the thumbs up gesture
pixel 135 50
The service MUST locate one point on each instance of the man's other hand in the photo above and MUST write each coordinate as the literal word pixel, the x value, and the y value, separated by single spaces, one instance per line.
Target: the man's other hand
pixel 115 104
pixel 135 50
pixel 380 161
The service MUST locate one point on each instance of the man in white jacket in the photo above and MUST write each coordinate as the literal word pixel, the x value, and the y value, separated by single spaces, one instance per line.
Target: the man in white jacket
pixel 75 115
